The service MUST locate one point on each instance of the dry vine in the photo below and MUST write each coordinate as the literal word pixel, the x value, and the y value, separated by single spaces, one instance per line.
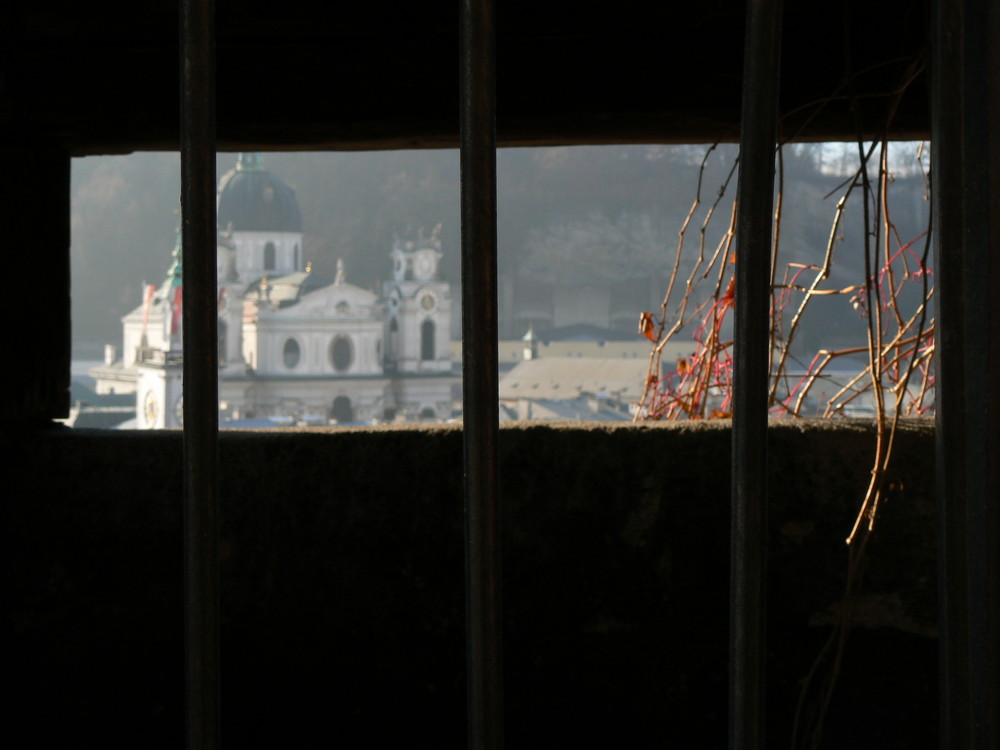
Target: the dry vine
pixel 899 343
pixel 900 349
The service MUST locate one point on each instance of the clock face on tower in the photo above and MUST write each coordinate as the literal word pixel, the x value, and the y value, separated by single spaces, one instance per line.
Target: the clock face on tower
pixel 427 302
pixel 424 265
pixel 151 408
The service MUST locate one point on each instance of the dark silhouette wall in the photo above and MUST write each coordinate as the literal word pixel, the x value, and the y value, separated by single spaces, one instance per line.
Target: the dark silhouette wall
pixel 342 580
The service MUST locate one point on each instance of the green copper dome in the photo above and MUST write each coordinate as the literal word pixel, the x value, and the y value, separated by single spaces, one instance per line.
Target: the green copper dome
pixel 252 199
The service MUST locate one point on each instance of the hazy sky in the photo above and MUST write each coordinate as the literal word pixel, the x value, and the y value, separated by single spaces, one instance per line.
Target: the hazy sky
pixel 566 215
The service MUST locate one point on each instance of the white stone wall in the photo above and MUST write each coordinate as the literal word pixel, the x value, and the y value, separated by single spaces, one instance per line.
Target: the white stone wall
pixel 155 326
pixel 264 347
pixel 306 399
pixel 250 254
pixel 158 398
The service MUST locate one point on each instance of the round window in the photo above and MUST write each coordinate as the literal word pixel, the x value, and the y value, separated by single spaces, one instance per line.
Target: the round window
pixel 341 353
pixel 291 353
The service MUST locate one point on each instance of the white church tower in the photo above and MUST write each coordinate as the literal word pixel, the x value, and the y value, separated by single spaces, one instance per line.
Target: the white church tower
pixel 418 308
pixel 154 338
pixel 418 327
pixel 260 237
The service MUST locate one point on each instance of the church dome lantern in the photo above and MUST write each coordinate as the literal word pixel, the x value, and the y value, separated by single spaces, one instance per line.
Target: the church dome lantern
pixel 254 200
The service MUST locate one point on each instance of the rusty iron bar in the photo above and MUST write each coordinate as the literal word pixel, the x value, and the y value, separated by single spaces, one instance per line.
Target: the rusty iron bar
pixel 981 296
pixel 980 190
pixel 201 374
pixel 949 387
pixel 748 547
pixel 484 668
pixel 966 169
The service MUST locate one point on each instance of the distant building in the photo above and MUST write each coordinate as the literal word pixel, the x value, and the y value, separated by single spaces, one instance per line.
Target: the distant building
pixel 597 388
pixel 579 341
pixel 291 348
pixel 575 373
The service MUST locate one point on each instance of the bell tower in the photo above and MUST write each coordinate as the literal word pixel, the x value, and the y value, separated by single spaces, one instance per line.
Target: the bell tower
pixel 418 307
pixel 160 367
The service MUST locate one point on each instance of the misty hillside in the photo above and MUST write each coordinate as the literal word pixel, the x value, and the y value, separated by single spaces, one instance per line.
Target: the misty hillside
pixel 570 217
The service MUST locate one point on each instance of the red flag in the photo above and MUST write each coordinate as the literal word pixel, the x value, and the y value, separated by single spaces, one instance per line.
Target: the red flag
pixel 148 298
pixel 175 322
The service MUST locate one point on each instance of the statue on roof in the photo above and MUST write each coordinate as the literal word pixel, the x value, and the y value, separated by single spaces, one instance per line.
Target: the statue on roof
pixel 250 161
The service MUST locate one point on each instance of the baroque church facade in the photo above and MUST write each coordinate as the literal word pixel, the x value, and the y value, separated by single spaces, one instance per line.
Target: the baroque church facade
pixel 292 349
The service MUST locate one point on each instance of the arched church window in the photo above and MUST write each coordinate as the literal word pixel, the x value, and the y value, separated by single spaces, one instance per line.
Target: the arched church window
pixel 341 353
pixel 392 344
pixel 342 411
pixel 269 257
pixel 427 340
pixel 222 340
pixel 295 253
pixel 291 353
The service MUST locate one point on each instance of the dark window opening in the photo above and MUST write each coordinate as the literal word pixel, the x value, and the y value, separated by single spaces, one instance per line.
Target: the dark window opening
pixel 427 340
pixel 392 346
pixel 222 341
pixel 291 353
pixel 341 353
pixel 342 411
pixel 269 257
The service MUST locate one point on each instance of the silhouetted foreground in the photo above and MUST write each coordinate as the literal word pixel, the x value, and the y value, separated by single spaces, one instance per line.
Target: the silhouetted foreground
pixel 343 587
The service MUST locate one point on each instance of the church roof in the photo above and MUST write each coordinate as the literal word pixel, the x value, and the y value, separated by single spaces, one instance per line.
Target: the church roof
pixel 285 290
pixel 253 199
pixel 565 378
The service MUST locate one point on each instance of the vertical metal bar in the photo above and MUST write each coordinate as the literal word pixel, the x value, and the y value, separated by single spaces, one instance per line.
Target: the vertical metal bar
pixel 966 152
pixel 201 373
pixel 748 598
pixel 946 169
pixel 980 242
pixel 480 377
